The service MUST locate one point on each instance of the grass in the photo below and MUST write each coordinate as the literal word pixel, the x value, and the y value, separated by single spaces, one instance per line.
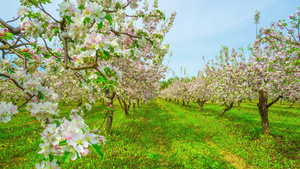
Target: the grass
pixel 163 134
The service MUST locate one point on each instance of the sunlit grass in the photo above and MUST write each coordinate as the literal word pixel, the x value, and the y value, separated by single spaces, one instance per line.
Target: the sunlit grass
pixel 166 135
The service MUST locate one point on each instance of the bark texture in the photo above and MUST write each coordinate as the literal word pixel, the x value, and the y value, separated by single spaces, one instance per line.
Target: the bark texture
pixel 228 107
pixel 201 103
pixel 263 111
pixel 109 122
pixel 239 103
pixel 110 115
pixel 292 103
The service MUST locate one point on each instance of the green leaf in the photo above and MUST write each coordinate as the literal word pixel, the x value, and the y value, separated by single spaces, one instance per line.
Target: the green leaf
pixel 67 156
pixel 118 6
pixel 112 87
pixel 100 78
pixel 56 31
pixel 68 19
pixel 88 81
pixel 107 55
pixel 100 25
pixel 81 7
pixel 62 143
pixel 83 49
pixel 109 18
pixel 86 20
pixel 111 82
pixel 97 73
pixel 104 87
pixel 40 95
pixel 51 157
pixel 98 150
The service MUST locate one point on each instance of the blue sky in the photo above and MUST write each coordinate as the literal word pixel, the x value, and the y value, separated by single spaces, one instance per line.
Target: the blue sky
pixel 201 27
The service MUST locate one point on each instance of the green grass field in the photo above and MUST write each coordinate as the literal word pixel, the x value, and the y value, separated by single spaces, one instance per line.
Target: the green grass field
pixel 163 134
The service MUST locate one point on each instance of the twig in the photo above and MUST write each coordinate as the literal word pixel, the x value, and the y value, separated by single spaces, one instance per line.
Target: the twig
pixel 26 102
pixel 13 20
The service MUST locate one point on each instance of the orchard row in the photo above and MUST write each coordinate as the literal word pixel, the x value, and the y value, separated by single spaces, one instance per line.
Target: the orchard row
pixel 272 72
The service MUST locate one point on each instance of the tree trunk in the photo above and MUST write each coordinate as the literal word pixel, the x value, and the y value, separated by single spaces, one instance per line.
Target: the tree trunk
pixel 239 103
pixel 228 107
pixel 110 115
pixel 126 107
pixel 133 106
pixel 138 103
pixel 281 101
pixel 201 103
pixel 263 110
pixel 109 123
pixel 292 103
pixel 183 103
pixel 188 104
pixel 178 101
pixel 79 102
pixel 12 99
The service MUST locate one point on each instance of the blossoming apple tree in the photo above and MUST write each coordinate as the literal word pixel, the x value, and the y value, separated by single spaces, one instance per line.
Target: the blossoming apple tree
pixel 94 37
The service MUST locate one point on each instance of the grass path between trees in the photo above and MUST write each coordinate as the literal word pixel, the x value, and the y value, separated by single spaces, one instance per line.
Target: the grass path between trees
pixel 163 134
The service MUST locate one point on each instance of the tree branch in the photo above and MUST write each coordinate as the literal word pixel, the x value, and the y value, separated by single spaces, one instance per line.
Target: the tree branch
pixel 100 72
pixel 120 103
pixel 132 36
pixel 66 55
pixel 26 102
pixel 108 11
pixel 15 82
pixel 42 9
pixel 87 66
pixel 13 20
pixel 15 31
pixel 274 101
pixel 49 49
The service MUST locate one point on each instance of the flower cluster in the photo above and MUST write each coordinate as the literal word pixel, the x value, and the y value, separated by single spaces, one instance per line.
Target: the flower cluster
pixel 3 32
pixel 47 165
pixel 43 110
pixel 94 11
pixel 6 111
pixel 33 29
pixel 70 137
pixel 5 64
pixel 256 17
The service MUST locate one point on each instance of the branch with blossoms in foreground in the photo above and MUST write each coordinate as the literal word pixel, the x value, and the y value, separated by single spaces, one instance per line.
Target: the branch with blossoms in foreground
pixel 89 46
